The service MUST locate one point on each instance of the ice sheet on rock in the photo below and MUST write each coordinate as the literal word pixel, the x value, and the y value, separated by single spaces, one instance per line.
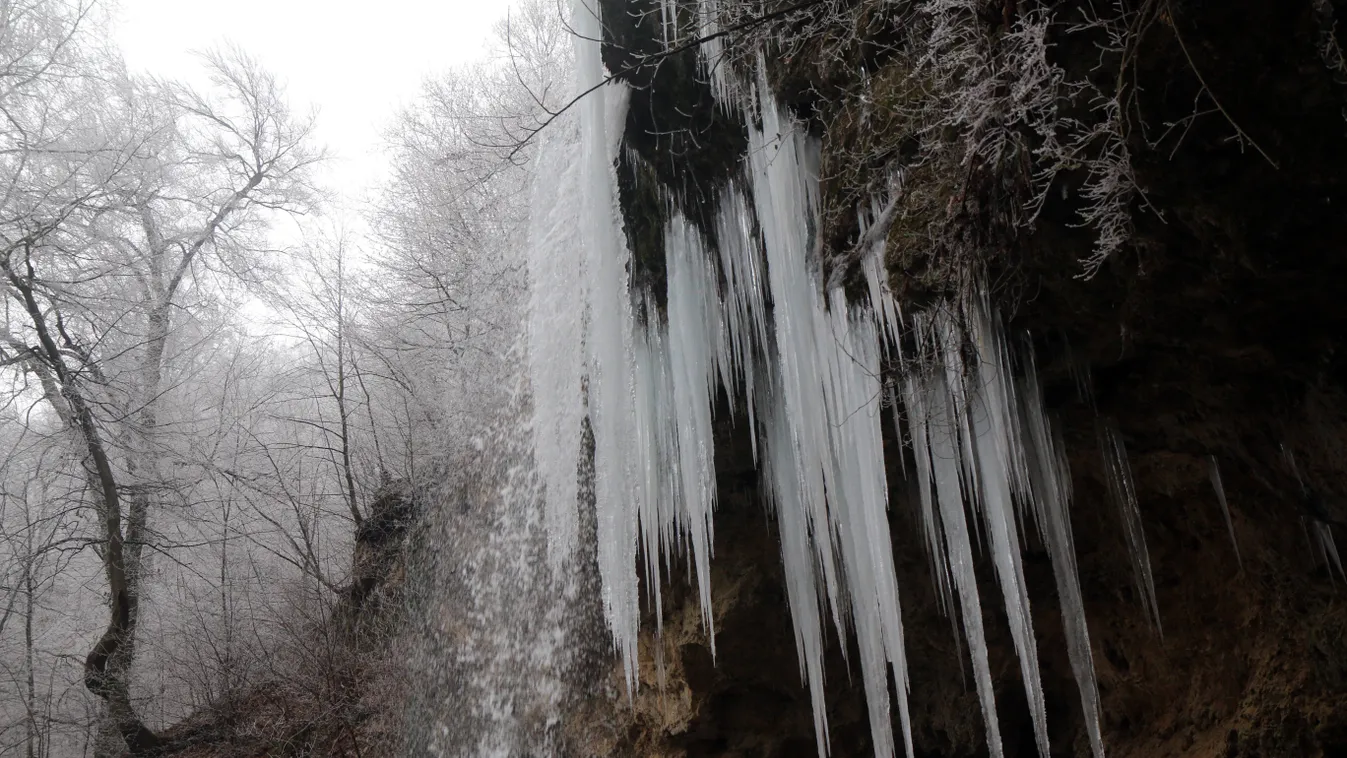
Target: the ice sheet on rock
pixel 556 317
pixel 497 635
pixel 608 342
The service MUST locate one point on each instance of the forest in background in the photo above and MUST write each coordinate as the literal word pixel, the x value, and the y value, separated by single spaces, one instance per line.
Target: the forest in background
pixel 208 377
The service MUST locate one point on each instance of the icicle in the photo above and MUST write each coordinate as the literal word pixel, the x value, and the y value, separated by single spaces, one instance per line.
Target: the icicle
pixel 1050 481
pixel 1290 459
pixel 745 312
pixel 668 20
pixel 797 558
pixel 882 301
pixel 1214 469
pixel 694 328
pixel 828 372
pixel 779 169
pixel 859 489
pixel 1118 473
pixel 1080 374
pixel 657 490
pixel 918 423
pixel 945 459
pixel 609 345
pixel 810 370
pixel 1323 535
pixel 712 50
pixel 999 466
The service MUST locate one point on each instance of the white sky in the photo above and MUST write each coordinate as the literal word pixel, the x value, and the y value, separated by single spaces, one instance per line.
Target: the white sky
pixel 356 62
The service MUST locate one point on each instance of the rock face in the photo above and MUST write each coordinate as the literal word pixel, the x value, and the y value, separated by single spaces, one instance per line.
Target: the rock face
pixel 1252 661
pixel 1215 333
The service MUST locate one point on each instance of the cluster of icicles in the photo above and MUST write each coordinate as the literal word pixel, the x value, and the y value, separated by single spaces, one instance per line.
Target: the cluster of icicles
pixel 808 372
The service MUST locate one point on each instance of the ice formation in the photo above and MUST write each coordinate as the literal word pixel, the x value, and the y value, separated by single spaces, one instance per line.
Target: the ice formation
pixel 1214 468
pixel 496 636
pixel 1319 533
pixel 1118 474
pixel 755 314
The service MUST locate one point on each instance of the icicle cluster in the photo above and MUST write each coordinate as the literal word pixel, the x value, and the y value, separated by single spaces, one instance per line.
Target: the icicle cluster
pixel 1319 533
pixel 810 371
pixel 1118 474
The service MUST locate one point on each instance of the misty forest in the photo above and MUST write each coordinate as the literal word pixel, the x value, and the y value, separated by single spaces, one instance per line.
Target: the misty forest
pixel 752 378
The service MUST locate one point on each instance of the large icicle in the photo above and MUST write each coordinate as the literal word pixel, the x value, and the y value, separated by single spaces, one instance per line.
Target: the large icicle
pixel 942 433
pixel 779 169
pixel 797 559
pixel 694 331
pixel 828 369
pixel 657 484
pixel 744 308
pixel 918 421
pixel 608 347
pixel 714 63
pixel 999 465
pixel 1050 480
pixel 858 489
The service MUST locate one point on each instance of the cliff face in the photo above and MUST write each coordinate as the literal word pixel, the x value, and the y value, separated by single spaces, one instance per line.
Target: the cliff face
pixel 1251 662
pixel 1216 331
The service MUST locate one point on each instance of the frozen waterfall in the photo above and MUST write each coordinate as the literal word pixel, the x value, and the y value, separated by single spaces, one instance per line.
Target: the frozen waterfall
pixel 753 313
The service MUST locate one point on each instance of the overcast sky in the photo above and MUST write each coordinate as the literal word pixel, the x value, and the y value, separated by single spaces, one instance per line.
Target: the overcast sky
pixel 355 61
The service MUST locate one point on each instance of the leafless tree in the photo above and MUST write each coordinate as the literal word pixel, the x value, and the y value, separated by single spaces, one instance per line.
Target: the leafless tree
pixel 124 199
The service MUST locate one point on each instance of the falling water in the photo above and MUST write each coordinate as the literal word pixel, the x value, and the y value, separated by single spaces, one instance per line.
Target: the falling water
pixel 500 638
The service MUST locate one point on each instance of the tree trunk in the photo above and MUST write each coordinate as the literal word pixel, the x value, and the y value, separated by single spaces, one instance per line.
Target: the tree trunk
pixel 103 676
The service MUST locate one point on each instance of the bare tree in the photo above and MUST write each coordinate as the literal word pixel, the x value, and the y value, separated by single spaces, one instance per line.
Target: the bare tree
pixel 40 538
pixel 122 206
pixel 320 311
pixel 445 288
